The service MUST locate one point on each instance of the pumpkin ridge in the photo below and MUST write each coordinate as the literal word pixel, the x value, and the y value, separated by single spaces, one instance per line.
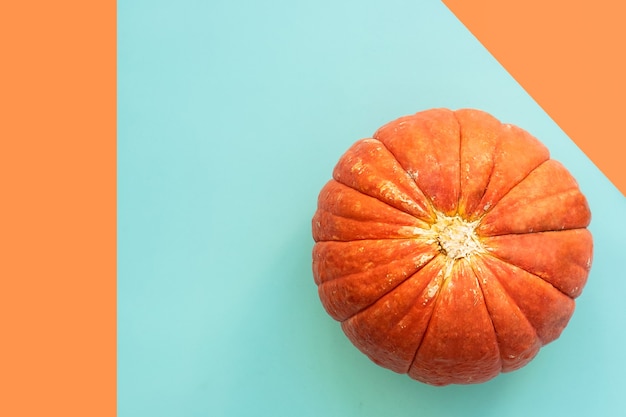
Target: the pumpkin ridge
pixel 565 287
pixel 371 196
pixel 427 208
pixel 493 326
pixel 573 191
pixel 511 300
pixel 432 313
pixel 533 232
pixel 514 186
pixel 495 275
pixel 395 231
pixel 515 183
pixel 452 270
pixel 422 141
pixel 386 202
pixel 493 165
pixel 446 276
pixel 328 206
pixel 428 199
pixel 383 263
pixel 373 221
pixel 547 329
pixel 493 255
pixel 458 122
pixel 393 289
pixel 342 258
pixel 347 276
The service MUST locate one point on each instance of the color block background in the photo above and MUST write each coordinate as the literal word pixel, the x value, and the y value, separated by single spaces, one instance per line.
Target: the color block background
pixel 231 117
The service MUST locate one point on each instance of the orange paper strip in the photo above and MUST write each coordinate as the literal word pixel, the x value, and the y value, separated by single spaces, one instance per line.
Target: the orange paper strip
pixel 58 208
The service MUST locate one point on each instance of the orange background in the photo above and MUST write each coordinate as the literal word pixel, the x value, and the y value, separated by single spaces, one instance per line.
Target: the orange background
pixel 57 230
pixel 569 56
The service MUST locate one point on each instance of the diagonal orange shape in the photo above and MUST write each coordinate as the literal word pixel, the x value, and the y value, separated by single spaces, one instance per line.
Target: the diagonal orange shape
pixel 569 56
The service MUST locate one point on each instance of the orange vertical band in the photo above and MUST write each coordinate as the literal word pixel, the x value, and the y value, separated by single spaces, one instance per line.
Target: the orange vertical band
pixel 57 208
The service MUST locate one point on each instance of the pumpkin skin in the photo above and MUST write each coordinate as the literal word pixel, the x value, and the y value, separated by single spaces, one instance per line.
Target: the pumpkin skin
pixel 450 246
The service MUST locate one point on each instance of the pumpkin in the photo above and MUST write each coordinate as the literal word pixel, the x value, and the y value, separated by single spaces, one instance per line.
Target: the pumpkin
pixel 450 246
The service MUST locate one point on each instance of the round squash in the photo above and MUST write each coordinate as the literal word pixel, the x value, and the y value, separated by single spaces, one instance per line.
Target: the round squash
pixel 450 246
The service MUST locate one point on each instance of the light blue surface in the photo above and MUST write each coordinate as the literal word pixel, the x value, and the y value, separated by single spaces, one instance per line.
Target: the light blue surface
pixel 231 118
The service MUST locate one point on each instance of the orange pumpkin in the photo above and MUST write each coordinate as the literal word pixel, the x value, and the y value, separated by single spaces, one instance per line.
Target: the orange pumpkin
pixel 450 246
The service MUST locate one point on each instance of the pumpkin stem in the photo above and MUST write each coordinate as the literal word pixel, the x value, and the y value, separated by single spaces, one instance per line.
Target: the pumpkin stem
pixel 456 237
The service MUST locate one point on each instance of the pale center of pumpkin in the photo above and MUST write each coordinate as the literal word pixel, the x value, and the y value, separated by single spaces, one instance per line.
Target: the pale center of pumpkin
pixel 456 237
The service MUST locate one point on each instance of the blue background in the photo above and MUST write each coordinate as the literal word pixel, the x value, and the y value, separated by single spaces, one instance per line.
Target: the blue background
pixel 231 117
